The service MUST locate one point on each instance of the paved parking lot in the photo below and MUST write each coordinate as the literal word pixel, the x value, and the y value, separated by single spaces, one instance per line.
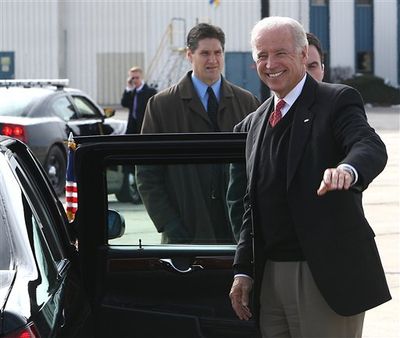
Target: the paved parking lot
pixel 382 207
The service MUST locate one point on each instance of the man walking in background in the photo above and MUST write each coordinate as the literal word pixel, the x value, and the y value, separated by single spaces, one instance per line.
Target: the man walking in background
pixel 135 97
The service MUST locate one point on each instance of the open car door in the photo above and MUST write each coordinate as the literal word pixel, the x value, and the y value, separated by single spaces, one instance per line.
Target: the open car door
pixel 145 283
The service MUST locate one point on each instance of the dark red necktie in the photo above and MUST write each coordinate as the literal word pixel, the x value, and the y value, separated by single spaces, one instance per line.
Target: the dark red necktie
pixel 276 115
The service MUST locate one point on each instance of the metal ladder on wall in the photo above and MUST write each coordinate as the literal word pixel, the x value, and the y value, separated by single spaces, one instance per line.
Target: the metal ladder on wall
pixel 169 63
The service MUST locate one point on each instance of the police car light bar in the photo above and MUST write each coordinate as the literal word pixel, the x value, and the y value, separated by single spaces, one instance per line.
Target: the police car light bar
pixel 59 83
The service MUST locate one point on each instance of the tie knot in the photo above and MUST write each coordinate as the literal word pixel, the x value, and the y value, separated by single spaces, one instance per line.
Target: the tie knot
pixel 280 105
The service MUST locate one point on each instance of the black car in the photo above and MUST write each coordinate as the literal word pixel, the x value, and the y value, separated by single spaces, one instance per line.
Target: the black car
pixel 41 292
pixel 42 113
pixel 122 281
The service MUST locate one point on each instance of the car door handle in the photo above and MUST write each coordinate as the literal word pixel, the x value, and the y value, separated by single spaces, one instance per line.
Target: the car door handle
pixel 169 265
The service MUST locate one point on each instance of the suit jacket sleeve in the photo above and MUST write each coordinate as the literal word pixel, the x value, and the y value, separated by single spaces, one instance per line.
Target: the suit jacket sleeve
pixel 361 146
pixel 127 99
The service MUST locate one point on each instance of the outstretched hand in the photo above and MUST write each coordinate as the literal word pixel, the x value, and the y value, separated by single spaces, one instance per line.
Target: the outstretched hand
pixel 240 294
pixel 335 179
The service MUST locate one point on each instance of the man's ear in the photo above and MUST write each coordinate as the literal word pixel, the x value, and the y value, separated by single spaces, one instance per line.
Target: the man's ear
pixel 189 54
pixel 304 51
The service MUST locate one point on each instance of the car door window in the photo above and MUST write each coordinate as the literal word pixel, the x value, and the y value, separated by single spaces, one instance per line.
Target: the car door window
pixel 30 249
pixel 180 281
pixel 45 214
pixel 176 203
pixel 85 108
pixel 63 108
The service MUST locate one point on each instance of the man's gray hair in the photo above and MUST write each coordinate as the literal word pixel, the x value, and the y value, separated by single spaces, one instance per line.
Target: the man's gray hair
pixel 298 32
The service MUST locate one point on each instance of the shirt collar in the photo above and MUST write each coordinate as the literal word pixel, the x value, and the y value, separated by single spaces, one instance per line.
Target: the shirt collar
pixel 201 87
pixel 138 89
pixel 292 96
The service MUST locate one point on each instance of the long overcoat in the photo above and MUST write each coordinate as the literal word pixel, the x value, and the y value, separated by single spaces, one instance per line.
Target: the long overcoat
pixel 185 202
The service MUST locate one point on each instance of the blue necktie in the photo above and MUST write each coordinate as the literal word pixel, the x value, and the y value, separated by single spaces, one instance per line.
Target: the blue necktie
pixel 135 93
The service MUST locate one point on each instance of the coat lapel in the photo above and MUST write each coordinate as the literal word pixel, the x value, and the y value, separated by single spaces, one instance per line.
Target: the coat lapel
pixel 189 96
pixel 258 127
pixel 301 127
pixel 226 95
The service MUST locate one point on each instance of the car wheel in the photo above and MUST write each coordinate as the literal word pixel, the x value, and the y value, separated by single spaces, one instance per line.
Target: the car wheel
pixel 55 167
pixel 129 192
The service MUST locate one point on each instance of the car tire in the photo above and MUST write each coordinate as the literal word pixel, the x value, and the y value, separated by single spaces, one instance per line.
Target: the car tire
pixel 55 167
pixel 129 192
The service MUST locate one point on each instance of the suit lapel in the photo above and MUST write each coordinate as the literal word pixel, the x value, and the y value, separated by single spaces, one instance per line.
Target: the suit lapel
pixel 301 127
pixel 256 136
pixel 226 95
pixel 189 96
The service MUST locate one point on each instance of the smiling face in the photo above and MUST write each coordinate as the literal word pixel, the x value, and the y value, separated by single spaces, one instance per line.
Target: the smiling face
pixel 207 60
pixel 314 65
pixel 280 64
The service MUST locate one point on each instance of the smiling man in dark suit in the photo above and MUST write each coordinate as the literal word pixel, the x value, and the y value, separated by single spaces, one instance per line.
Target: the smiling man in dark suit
pixel 305 241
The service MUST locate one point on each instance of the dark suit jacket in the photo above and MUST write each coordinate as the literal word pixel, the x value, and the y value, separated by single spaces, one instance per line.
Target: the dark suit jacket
pixel 329 127
pixel 135 125
pixel 166 193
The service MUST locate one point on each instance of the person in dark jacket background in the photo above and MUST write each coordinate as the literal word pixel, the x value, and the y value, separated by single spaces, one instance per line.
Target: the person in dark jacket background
pixel 135 97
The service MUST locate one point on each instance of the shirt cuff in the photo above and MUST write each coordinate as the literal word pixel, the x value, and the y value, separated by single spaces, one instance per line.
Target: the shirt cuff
pixel 351 169
pixel 242 275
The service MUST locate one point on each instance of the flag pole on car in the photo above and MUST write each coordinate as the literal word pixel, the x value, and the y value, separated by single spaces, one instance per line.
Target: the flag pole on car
pixel 71 189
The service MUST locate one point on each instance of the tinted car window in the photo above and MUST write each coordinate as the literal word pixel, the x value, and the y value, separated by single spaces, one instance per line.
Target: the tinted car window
pixel 85 108
pixel 6 259
pixel 63 108
pixel 46 218
pixel 30 232
pixel 181 203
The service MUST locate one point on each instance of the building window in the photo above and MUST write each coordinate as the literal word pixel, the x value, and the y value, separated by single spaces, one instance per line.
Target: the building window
pixel 364 41
pixel 364 2
pixel 319 2
pixel 364 62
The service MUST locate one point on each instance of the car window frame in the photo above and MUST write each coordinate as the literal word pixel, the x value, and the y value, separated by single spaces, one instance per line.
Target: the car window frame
pixel 83 98
pixel 58 96
pixel 43 197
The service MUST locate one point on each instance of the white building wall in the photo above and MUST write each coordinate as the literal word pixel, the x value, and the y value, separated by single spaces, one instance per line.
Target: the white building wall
pixel 296 9
pixel 93 42
pixel 104 39
pixel 30 30
pixel 342 41
pixel 385 40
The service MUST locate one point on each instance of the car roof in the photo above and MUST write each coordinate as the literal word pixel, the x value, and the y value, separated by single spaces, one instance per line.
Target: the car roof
pixel 18 96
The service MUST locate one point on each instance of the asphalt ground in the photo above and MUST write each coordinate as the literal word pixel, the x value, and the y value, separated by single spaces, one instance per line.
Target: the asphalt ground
pixel 382 208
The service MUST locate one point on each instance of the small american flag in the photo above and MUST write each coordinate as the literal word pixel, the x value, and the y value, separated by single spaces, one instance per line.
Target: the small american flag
pixel 71 189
